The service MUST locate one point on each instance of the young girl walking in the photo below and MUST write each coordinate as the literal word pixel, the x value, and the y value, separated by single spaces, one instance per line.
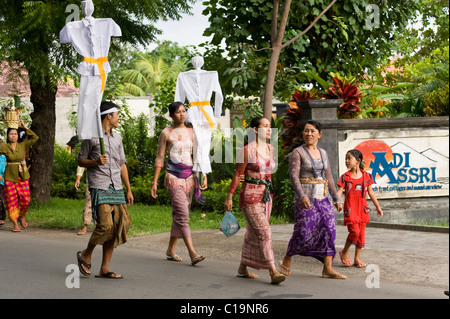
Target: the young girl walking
pixel 356 183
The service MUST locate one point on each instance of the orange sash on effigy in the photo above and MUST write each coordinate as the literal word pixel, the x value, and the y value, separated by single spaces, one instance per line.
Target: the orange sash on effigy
pixel 201 104
pixel 99 63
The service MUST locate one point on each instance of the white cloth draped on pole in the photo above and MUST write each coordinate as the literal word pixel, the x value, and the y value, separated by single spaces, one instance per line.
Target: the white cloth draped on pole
pixel 91 38
pixel 197 87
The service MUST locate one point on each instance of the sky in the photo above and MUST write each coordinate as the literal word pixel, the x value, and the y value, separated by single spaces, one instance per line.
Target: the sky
pixel 188 30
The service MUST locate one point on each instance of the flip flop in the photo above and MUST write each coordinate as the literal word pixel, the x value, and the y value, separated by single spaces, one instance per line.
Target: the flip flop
pixel 23 222
pixel 82 262
pixel 197 259
pixel 16 230
pixel 278 279
pixel 110 275
pixel 285 270
pixel 248 275
pixel 174 258
pixel 82 232
pixel 334 276
pixel 361 264
pixel 346 262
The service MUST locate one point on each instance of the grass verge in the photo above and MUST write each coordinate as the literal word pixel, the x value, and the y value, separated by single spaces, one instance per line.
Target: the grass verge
pixel 61 213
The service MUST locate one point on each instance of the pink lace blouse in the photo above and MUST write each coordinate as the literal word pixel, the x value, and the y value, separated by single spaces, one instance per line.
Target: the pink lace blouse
pixel 178 143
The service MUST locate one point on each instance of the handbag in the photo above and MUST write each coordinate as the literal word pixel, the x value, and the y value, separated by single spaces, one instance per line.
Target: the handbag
pixel 230 225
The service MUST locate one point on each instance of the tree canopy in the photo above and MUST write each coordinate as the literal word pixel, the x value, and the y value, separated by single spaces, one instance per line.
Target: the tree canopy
pixel 29 38
pixel 352 38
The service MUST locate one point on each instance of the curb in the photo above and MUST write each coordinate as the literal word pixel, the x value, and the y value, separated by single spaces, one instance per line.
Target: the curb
pixel 411 227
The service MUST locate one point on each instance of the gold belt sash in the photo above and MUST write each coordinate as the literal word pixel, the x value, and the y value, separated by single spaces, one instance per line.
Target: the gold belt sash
pixel 201 104
pixel 312 180
pixel 99 63
pixel 22 166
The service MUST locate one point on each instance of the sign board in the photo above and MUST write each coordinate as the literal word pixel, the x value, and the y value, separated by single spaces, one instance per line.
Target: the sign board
pixel 404 162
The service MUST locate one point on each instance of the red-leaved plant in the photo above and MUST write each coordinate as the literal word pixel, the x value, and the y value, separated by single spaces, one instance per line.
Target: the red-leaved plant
pixel 347 90
pixel 291 131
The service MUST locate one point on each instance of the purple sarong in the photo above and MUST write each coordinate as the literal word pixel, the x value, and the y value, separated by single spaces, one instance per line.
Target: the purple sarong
pixel 314 231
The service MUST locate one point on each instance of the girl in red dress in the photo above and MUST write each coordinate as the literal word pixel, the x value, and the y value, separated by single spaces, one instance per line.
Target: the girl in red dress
pixel 356 183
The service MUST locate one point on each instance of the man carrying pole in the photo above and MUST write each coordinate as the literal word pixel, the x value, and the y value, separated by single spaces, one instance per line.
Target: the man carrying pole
pixel 106 164
pixel 106 174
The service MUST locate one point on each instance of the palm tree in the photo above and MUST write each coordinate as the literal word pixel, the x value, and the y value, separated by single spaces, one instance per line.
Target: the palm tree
pixel 147 73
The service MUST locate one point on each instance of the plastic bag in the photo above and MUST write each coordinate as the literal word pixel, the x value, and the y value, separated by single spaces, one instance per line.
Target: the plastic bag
pixel 230 225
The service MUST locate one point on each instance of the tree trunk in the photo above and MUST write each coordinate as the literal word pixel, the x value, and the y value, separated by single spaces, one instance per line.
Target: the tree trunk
pixel 277 33
pixel 276 36
pixel 43 116
pixel 270 81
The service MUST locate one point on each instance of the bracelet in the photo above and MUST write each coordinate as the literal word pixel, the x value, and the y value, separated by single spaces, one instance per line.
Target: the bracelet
pixel 155 183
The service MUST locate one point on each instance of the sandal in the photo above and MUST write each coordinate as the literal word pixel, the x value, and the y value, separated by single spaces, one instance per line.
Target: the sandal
pixel 277 279
pixel 110 275
pixel 197 259
pixel 248 275
pixel 82 262
pixel 361 264
pixel 174 258
pixel 334 276
pixel 16 230
pixel 23 222
pixel 285 270
pixel 345 261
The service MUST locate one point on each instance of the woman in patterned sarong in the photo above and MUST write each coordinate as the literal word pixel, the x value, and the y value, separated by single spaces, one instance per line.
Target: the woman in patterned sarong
pixel 17 188
pixel 315 226
pixel 178 141
pixel 256 162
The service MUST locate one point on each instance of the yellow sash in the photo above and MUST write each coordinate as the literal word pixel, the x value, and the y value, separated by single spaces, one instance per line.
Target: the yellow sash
pixel 99 63
pixel 201 104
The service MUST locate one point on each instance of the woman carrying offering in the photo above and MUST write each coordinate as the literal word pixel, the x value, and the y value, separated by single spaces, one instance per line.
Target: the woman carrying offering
pixel 178 140
pixel 17 188
pixel 315 225
pixel 256 162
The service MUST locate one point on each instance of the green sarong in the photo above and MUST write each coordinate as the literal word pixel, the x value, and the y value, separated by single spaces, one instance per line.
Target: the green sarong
pixel 110 196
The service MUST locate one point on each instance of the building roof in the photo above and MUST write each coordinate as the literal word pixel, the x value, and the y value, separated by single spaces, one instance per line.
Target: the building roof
pixel 15 81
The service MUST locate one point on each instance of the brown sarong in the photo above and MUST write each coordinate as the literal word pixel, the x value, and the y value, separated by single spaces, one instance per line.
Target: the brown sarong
pixel 113 224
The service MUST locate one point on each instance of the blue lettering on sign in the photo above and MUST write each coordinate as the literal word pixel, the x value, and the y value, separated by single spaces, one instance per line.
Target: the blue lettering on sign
pixel 406 173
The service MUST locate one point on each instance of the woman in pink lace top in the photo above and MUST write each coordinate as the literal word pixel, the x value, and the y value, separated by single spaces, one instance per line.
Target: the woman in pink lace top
pixel 178 141
pixel 255 161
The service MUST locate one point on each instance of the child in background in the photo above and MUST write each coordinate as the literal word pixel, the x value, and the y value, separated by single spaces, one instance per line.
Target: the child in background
pixel 357 184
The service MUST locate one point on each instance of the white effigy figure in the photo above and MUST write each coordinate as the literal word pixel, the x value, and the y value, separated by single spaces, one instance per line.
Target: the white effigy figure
pixel 91 38
pixel 197 86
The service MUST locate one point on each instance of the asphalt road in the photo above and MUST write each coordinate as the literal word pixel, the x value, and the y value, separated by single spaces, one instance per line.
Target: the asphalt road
pixel 43 267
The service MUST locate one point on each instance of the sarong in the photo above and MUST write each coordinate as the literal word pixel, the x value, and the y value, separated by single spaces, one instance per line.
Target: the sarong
pixel 180 191
pixel 17 198
pixel 257 248
pixel 109 196
pixel 110 212
pixel 113 224
pixel 314 231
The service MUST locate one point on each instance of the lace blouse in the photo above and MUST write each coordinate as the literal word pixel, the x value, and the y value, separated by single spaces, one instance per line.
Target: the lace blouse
pixel 303 168
pixel 250 163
